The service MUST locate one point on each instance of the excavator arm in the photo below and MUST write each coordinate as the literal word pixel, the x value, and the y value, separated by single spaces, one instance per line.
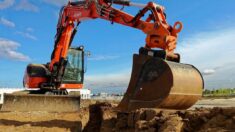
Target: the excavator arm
pixel 159 34
pixel 158 80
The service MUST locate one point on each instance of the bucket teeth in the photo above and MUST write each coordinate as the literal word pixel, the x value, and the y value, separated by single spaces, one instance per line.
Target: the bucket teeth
pixel 156 83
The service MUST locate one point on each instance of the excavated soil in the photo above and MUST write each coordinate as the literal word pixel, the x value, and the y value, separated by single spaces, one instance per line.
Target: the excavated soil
pixel 102 116
pixel 43 121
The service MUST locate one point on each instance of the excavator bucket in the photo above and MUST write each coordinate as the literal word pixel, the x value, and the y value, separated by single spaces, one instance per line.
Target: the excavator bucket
pixel 156 83
pixel 49 103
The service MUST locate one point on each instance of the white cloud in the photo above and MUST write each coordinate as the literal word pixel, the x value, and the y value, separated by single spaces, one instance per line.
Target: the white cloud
pixel 212 53
pixel 6 3
pixel 103 57
pixel 8 49
pixel 56 2
pixel 6 22
pixel 208 49
pixel 27 35
pixel 108 80
pixel 29 29
pixel 25 5
pixel 208 72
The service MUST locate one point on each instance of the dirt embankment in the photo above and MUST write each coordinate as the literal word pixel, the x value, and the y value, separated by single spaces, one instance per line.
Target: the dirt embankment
pixel 43 121
pixel 103 117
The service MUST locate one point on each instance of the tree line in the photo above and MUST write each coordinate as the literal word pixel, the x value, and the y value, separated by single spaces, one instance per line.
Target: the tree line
pixel 219 92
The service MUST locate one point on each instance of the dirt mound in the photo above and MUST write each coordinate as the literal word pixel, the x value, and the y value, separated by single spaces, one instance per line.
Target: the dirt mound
pixel 102 116
pixel 43 121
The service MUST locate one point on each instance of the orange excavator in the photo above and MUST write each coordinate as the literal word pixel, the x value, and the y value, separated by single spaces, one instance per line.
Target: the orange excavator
pixel 158 78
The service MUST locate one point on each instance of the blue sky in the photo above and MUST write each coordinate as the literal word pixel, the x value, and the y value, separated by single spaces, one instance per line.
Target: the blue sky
pixel 27 30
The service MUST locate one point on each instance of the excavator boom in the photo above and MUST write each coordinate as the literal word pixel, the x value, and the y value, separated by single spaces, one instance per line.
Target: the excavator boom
pixel 158 78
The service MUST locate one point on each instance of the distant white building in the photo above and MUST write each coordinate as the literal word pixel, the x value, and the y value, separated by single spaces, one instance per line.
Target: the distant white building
pixel 84 93
pixel 106 96
pixel 7 90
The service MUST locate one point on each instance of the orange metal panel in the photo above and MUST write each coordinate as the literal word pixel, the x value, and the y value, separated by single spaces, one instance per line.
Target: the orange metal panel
pixel 71 86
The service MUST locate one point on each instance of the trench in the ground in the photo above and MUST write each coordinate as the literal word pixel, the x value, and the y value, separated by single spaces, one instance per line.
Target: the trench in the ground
pixel 95 119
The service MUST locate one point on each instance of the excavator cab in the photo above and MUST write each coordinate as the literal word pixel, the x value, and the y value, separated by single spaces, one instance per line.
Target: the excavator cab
pixel 74 71
pixel 38 75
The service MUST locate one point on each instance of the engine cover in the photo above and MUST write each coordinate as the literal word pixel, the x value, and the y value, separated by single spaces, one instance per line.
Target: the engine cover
pixel 35 75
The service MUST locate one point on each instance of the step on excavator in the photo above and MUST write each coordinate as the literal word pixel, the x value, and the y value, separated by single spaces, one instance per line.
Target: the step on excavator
pixel 158 79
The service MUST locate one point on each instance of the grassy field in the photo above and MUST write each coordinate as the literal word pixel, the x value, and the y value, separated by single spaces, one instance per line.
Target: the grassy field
pixel 223 92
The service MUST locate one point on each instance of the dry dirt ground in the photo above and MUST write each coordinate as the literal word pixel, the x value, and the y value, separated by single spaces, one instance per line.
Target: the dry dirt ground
pixel 101 116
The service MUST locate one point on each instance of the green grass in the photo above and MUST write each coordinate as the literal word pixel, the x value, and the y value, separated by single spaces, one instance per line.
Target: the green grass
pixel 222 92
